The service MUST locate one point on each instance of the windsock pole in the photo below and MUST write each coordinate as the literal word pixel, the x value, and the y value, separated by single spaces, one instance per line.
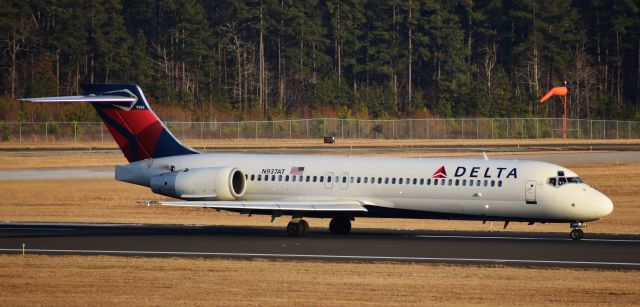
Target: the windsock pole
pixel 564 119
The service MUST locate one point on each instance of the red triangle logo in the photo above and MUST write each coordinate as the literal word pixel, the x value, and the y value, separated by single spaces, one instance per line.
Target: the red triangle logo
pixel 440 173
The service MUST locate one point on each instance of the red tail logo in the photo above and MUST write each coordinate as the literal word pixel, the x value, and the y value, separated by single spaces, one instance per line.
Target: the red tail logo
pixel 440 173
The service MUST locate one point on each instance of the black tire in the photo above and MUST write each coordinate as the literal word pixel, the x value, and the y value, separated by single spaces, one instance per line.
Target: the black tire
pixel 576 234
pixel 340 225
pixel 293 229
pixel 304 227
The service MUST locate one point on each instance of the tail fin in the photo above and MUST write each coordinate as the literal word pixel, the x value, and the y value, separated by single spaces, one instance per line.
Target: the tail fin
pixel 130 120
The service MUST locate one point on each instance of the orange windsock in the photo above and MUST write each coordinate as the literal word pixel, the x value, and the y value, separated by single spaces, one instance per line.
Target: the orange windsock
pixel 558 91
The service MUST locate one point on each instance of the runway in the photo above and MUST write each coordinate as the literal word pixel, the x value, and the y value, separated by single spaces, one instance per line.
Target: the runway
pixel 520 249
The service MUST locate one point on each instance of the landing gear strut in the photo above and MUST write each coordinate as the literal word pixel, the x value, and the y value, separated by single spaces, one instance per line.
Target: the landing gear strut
pixel 576 233
pixel 297 228
pixel 340 225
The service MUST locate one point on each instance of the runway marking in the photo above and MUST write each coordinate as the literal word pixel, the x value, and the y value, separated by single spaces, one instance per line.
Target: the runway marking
pixel 523 238
pixel 43 229
pixel 330 257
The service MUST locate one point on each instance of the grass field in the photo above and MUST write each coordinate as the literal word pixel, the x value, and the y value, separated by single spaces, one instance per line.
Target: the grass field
pixel 105 280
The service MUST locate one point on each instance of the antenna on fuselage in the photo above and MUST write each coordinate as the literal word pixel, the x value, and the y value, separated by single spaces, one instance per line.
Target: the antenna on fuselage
pixel 484 155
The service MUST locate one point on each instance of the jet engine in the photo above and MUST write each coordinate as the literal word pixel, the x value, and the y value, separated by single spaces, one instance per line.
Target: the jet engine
pixel 212 183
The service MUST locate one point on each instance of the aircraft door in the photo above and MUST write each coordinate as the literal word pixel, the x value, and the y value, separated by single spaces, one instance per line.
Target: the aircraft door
pixel 344 180
pixel 328 184
pixel 530 192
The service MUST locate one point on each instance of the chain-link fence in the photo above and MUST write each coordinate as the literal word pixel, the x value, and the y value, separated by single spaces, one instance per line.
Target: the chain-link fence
pixel 467 128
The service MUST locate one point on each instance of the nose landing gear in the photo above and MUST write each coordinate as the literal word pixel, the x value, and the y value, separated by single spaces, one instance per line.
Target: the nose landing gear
pixel 576 233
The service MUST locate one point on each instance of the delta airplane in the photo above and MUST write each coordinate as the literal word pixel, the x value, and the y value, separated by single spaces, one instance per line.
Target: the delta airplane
pixel 339 188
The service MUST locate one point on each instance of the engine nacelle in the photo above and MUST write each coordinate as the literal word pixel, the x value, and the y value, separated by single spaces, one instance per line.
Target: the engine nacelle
pixel 212 183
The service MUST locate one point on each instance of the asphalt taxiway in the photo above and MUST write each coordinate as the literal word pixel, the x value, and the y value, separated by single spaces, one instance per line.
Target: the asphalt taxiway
pixel 524 249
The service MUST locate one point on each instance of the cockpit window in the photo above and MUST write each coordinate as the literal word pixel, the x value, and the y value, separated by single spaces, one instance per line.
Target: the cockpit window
pixel 558 181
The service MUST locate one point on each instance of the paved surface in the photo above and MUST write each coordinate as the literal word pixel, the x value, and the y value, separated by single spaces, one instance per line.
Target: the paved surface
pixel 561 158
pixel 604 251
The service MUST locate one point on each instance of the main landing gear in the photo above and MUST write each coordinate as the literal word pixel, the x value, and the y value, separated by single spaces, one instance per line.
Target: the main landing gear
pixel 297 228
pixel 576 233
pixel 338 225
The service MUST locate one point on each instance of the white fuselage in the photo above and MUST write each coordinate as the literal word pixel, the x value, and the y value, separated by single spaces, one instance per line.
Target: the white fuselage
pixel 471 189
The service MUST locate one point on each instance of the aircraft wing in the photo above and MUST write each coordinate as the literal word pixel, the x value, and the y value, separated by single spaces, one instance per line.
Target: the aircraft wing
pixel 286 205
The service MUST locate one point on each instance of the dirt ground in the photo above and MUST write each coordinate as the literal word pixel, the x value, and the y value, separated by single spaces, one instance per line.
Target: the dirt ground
pixel 297 143
pixel 106 280
pixel 110 201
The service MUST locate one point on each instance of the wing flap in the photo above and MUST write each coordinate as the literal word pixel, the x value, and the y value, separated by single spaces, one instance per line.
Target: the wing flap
pixel 314 205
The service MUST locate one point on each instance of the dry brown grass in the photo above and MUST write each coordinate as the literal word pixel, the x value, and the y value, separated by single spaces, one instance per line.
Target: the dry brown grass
pixel 110 201
pixel 296 143
pixel 105 280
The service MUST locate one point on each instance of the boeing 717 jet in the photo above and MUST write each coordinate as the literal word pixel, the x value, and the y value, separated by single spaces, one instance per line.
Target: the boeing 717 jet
pixel 339 188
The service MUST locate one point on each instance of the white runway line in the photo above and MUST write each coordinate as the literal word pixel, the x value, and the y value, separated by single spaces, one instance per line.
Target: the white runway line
pixel 521 238
pixel 330 257
pixel 43 229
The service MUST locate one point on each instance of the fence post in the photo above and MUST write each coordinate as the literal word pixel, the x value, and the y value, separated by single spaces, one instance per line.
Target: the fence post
pixel 238 125
pixel 604 128
pixel 537 128
pixel 393 129
pixel 75 132
pixel 617 126
pixel 591 128
pixel 462 132
pixel 492 128
pixel 629 123
pixel 46 131
pixel 201 131
pixel 289 129
pixel 20 131
pixel 477 128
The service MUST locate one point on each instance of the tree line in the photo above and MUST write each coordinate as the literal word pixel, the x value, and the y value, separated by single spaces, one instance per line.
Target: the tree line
pixel 363 58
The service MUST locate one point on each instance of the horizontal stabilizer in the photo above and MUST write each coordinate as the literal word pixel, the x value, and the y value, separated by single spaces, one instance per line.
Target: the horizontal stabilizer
pixel 110 99
pixel 313 205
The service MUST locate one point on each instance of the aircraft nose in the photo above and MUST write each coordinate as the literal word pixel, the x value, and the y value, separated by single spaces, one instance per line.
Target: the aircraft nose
pixel 603 205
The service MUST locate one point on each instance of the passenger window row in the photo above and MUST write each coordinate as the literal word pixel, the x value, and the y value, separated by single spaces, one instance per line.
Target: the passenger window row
pixel 378 180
